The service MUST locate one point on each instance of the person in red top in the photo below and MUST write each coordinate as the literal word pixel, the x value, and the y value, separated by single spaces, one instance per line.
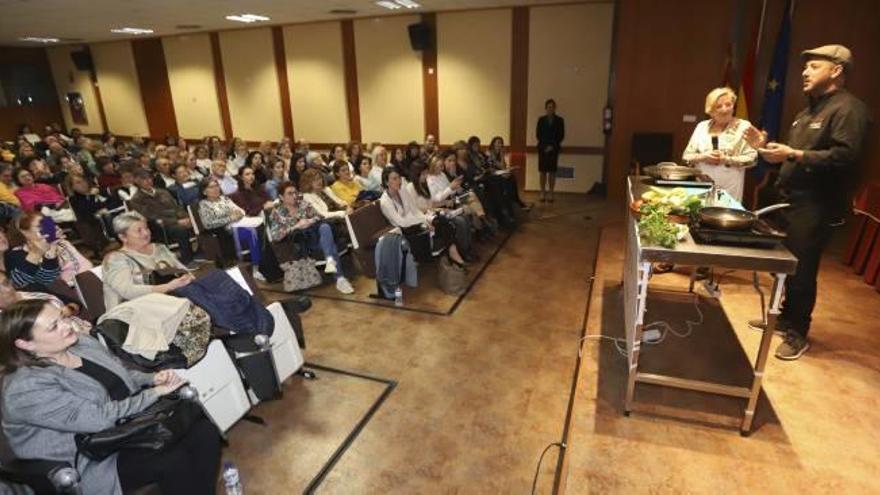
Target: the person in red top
pixel 32 194
pixel 109 178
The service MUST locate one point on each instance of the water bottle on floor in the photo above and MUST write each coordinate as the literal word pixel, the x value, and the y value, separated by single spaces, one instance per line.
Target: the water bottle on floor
pixel 398 296
pixel 232 479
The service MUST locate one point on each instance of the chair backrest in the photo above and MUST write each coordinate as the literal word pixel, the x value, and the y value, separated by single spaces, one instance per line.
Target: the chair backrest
pixel 194 218
pixel 649 148
pixel 90 287
pixel 366 225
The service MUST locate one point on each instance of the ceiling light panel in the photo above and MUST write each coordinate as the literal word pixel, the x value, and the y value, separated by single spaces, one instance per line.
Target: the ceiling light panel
pixel 131 30
pixel 37 39
pixel 388 4
pixel 410 4
pixel 247 18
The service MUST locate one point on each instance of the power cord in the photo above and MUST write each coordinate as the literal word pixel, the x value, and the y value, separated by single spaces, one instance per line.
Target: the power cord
pixel 540 460
pixel 664 327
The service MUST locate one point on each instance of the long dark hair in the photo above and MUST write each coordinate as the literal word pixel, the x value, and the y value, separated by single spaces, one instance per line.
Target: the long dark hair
pixel 415 178
pixel 17 322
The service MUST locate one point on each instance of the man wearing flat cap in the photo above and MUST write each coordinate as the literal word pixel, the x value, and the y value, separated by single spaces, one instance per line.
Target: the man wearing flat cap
pixel 818 169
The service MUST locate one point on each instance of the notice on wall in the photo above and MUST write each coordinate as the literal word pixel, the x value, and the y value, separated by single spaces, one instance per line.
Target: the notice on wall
pixel 564 172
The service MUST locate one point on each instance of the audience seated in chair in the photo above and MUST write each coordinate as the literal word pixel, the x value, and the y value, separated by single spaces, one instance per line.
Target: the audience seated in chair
pixel 159 206
pixel 124 270
pixel 295 216
pixel 38 258
pixel 250 196
pixel 32 195
pixel 184 189
pixel 70 311
pixel 58 382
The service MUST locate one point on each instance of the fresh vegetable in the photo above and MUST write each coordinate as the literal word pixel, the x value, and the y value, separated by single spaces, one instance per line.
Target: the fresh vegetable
pixel 677 200
pixel 655 228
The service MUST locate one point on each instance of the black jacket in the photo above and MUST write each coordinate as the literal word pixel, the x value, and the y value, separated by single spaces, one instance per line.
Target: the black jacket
pixel 550 133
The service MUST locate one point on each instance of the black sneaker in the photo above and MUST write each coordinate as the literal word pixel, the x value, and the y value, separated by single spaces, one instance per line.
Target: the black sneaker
pixel 761 325
pixel 792 348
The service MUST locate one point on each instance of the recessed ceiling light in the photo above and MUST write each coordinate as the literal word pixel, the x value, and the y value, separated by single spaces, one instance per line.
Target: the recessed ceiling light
pixel 131 30
pixel 408 4
pixel 248 18
pixel 37 39
pixel 388 4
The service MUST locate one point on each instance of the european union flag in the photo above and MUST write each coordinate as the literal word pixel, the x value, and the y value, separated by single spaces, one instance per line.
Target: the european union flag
pixel 771 113
pixel 774 91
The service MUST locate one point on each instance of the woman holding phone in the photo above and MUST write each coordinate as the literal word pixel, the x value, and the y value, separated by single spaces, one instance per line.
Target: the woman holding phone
pixel 38 256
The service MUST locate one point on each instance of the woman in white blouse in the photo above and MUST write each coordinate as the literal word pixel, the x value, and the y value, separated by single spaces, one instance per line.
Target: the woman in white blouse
pixel 717 146
pixel 311 185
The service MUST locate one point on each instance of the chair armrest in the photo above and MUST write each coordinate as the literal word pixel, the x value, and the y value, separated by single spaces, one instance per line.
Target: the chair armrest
pixel 39 474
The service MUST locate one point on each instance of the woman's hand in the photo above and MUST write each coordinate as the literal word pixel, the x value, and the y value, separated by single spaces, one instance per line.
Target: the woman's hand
pixel 755 137
pixel 268 205
pixel 237 215
pixel 714 157
pixel 349 210
pixel 305 223
pixel 456 183
pixel 167 377
pixel 181 281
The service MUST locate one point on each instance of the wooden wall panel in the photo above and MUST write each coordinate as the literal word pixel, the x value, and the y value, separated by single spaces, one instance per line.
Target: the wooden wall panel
pixel 283 86
pixel 152 72
pixel 193 87
pixel 519 91
pixel 349 57
pixel 429 79
pixel 220 85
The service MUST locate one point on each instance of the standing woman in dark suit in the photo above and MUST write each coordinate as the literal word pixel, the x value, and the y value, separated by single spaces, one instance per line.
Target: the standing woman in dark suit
pixel 550 133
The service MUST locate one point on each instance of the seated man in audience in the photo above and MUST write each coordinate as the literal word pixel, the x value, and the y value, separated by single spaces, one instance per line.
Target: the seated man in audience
pixel 163 178
pixel 109 177
pixel 159 206
pixel 219 171
pixel 126 188
pixel 429 149
pixel 183 189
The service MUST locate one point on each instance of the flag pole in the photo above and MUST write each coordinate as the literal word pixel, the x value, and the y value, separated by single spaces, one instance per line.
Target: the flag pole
pixel 761 26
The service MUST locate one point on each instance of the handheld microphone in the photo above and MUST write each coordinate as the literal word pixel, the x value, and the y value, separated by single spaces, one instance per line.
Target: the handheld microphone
pixel 714 142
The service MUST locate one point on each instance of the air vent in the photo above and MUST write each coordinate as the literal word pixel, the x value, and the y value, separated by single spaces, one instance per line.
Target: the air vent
pixel 188 26
pixel 343 12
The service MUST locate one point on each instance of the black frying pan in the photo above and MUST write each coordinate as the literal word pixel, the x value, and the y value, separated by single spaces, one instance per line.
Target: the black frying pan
pixel 732 219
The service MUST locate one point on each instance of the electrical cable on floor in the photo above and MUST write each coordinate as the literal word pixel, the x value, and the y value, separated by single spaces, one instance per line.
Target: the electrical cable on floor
pixel 619 343
pixel 540 460
pixel 665 328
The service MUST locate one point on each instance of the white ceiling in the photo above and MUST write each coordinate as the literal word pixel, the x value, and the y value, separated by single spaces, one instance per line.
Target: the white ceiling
pixel 77 21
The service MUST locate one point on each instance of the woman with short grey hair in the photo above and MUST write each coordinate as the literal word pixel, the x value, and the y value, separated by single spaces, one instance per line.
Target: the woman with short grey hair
pixel 124 269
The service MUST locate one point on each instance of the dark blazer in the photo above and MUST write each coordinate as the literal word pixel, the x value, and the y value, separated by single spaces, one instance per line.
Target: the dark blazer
pixel 550 133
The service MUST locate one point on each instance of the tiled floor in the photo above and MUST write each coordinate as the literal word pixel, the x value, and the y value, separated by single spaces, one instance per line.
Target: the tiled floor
pixel 483 391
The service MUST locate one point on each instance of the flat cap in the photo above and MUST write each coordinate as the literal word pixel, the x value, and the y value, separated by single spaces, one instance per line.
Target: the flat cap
pixel 838 54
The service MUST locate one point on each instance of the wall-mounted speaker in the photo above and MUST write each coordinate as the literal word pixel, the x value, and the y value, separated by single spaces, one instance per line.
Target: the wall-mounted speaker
pixel 82 60
pixel 420 36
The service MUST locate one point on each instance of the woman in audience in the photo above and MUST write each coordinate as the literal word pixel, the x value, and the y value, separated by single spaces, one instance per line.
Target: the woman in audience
pixel 124 269
pixel 366 176
pixel 216 210
pixel 418 189
pixel 256 160
pixel 297 167
pixel 355 152
pixel 127 187
pixel 237 155
pixel 397 158
pixel 69 311
pixel 481 182
pixel 496 161
pixel 58 383
pixel 338 156
pixel 84 155
pixel 345 187
pixel 89 206
pixel 108 141
pixel 312 187
pixel 295 215
pixel 276 177
pixel 250 197
pixel 37 257
pixel 442 167
pixel 401 210
pixel 192 164
pixel 202 160
pixel 413 153
pixel 32 195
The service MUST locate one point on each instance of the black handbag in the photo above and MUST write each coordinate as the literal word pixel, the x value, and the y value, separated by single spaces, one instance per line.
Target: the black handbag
pixel 160 275
pixel 159 426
